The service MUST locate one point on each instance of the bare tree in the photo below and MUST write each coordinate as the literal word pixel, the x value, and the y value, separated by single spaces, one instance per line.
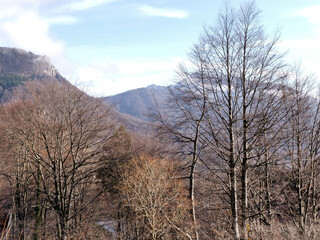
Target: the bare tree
pixel 261 71
pixel 232 88
pixel 181 120
pixel 62 130
pixel 156 197
pixel 302 149
pixel 18 172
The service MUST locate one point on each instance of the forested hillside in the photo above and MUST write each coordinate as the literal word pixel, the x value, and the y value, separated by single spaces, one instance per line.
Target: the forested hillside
pixel 232 151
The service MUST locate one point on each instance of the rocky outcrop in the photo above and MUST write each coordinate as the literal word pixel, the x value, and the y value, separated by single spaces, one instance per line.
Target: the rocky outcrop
pixel 23 63
pixel 18 66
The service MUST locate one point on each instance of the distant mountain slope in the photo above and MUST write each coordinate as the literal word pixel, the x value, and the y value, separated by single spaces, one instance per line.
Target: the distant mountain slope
pixel 138 102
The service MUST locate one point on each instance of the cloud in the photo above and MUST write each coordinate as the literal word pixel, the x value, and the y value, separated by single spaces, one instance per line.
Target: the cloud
pixel 85 4
pixel 302 48
pixel 313 17
pixel 106 78
pixel 27 25
pixel 302 43
pixel 311 13
pixel 63 20
pixel 31 33
pixel 163 12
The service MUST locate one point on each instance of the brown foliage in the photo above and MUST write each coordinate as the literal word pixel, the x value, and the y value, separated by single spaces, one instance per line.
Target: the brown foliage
pixel 54 139
pixel 156 199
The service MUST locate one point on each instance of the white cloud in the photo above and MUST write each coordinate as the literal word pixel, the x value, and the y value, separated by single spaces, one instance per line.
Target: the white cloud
pixel 308 47
pixel 302 43
pixel 107 78
pixel 163 12
pixel 27 25
pixel 311 13
pixel 31 33
pixel 313 17
pixel 62 19
pixel 85 4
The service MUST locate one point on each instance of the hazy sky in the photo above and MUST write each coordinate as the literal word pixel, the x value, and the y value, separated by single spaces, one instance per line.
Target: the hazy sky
pixel 110 46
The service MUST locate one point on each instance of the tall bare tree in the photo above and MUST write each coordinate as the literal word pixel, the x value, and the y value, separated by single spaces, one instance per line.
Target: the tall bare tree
pixel 235 79
pixel 302 149
pixel 261 72
pixel 182 119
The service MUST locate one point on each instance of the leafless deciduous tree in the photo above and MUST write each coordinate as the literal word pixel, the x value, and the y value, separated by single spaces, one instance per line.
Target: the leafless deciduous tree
pixel 233 86
pixel 156 198
pixel 61 131
pixel 302 152
pixel 182 119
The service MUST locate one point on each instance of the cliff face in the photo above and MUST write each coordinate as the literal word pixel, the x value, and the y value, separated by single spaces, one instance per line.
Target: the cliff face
pixel 21 62
pixel 18 66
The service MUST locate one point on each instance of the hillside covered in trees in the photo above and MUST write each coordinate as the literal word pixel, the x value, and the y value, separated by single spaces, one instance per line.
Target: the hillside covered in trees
pixel 232 151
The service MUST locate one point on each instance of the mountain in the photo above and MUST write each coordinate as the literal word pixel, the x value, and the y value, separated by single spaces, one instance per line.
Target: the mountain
pixel 138 102
pixel 18 66
pixel 131 108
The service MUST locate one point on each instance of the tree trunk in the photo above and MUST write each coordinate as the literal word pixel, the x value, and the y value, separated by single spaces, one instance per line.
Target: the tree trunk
pixel 233 192
pixel 244 184
pixel 38 209
pixel 233 187
pixel 192 198
pixel 267 191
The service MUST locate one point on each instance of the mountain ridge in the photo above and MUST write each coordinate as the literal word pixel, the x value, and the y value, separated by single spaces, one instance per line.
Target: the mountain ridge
pixel 138 102
pixel 18 66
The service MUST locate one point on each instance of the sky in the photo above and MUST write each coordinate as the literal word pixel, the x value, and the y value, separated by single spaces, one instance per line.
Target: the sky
pixel 111 46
